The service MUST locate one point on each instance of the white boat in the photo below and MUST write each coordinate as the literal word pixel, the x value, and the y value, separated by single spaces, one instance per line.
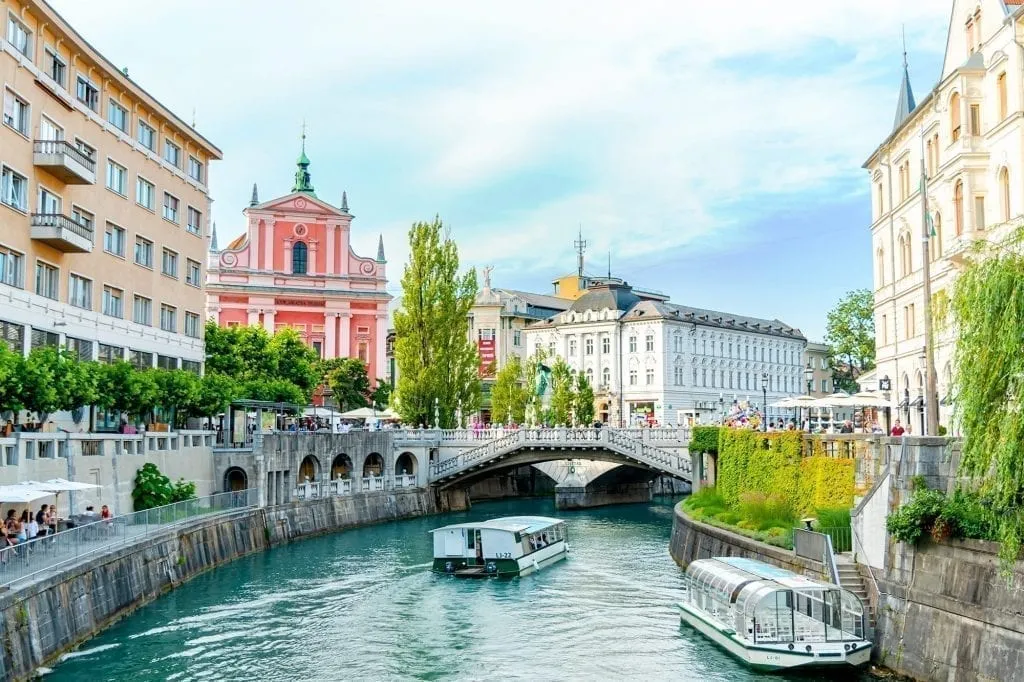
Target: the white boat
pixel 504 547
pixel 774 619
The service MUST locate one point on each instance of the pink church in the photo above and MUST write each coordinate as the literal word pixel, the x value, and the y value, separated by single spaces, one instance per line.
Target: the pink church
pixel 294 267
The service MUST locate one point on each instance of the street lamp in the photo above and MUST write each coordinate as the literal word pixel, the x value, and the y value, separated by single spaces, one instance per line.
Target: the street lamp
pixel 809 378
pixel 764 395
pixel 923 362
pixel 721 406
pixel 885 385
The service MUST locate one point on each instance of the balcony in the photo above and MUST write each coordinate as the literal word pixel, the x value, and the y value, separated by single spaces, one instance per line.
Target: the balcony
pixel 62 233
pixel 64 161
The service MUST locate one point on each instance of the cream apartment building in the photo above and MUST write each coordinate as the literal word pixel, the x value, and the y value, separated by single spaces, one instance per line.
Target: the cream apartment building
pixel 968 130
pixel 104 203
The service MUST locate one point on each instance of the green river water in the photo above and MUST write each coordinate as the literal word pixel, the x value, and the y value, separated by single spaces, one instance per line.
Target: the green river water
pixel 363 605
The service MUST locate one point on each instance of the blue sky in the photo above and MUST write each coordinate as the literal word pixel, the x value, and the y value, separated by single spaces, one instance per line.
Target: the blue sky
pixel 714 150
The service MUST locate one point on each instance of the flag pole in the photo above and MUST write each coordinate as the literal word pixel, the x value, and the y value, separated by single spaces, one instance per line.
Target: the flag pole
pixel 931 398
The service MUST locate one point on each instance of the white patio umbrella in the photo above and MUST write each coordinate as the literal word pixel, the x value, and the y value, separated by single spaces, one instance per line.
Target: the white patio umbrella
pixel 21 494
pixel 868 399
pixel 56 486
pixel 839 399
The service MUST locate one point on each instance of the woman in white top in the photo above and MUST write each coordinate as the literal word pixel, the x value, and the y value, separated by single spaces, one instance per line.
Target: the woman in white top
pixel 32 527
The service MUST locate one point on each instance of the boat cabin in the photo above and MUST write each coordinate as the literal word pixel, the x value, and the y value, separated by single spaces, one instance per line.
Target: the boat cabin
pixel 510 545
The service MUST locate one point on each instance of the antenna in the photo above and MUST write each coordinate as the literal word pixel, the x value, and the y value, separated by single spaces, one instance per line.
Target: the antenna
pixel 609 265
pixel 581 246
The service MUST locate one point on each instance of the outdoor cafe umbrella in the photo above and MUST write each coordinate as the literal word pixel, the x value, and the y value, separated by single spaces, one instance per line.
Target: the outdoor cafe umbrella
pixel 21 494
pixel 868 399
pixel 55 486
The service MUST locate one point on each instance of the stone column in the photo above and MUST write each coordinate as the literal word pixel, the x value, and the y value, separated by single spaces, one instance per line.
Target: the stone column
pixel 268 320
pixel 314 246
pixel 254 316
pixel 287 265
pixel 268 245
pixel 345 336
pixel 330 335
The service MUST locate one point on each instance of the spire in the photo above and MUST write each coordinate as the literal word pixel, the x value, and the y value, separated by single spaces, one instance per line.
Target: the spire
pixel 213 240
pixel 344 202
pixel 303 182
pixel 255 196
pixel 906 104
pixel 380 250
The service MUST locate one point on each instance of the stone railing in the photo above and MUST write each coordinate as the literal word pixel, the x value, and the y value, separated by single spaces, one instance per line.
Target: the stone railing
pixel 312 490
pixel 24 447
pixel 677 436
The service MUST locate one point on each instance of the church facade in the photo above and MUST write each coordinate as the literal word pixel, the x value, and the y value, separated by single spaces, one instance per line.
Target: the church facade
pixel 294 267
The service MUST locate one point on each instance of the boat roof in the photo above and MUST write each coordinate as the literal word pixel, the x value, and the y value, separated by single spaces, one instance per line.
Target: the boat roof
pixel 511 524
pixel 738 570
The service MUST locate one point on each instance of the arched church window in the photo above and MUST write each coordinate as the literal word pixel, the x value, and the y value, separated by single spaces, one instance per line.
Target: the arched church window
pixel 300 257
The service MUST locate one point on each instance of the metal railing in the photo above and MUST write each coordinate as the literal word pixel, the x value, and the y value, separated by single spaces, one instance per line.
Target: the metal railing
pixel 61 221
pixel 66 148
pixel 842 538
pixel 49 552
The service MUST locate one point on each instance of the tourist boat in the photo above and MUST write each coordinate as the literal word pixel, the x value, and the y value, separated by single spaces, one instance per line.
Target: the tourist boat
pixel 505 547
pixel 774 619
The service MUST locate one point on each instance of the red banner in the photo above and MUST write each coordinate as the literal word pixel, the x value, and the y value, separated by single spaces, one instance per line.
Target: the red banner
pixel 485 348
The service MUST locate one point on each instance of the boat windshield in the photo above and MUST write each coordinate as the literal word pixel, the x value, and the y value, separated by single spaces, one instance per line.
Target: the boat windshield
pixel 544 537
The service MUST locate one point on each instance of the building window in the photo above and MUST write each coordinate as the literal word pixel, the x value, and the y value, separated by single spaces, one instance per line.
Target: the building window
pixel 632 377
pixel 117 178
pixel 909 322
pixel 16 113
pixel 88 94
pixel 12 267
pixel 649 343
pixel 606 377
pixel 1004 193
pixel 192 325
pixel 958 207
pixel 147 136
pixel 171 208
pixel 606 345
pixel 1001 92
pixel 193 274
pixel 975 110
pixel 517 338
pixel 82 217
pixel 142 310
pixel 979 213
pixel 885 330
pixel 113 240
pixel 144 193
pixel 117 116
pixel 110 354
pixel 572 346
pixel 928 156
pixel 172 153
pixel 195 221
pixel 197 367
pixel 166 362
pixel 905 255
pixel 44 339
pixel 170 263
pixel 48 203
pixel 143 252
pixel 14 189
pixel 19 36
pixel 58 69
pixel 588 346
pixel 632 344
pixel 140 359
pixel 80 291
pixel 168 318
pixel 47 280
pixel 363 353
pixel 824 385
pixel 195 169
pixel 113 301
pixel 954 116
pixel 299 255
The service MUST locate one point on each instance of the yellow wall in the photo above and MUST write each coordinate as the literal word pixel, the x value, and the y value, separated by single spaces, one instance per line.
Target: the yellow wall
pixel 569 287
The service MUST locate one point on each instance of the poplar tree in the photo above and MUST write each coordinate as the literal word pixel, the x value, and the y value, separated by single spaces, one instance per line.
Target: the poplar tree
pixel 510 393
pixel 437 362
pixel 584 401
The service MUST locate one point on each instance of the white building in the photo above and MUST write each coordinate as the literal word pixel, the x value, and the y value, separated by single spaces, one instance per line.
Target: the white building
pixel 968 131
pixel 646 355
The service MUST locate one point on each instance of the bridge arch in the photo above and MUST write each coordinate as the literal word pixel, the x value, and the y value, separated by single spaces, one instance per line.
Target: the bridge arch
pixel 341 466
pixel 235 479
pixel 406 464
pixel 373 465
pixel 309 469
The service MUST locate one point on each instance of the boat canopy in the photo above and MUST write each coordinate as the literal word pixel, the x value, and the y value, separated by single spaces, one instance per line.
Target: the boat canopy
pixel 768 604
pixel 511 524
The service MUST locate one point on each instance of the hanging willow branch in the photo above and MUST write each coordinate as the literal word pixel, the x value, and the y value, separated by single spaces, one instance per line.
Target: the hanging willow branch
pixel 988 307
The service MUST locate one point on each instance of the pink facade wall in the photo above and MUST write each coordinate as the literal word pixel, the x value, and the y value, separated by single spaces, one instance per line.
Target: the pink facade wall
pixel 340 303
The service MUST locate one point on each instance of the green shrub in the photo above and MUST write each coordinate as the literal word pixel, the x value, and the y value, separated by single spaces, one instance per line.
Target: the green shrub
pixel 910 522
pixel 967 516
pixel 154 489
pixel 705 439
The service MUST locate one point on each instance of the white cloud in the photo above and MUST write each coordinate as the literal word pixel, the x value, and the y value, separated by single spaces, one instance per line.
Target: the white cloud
pixel 419 107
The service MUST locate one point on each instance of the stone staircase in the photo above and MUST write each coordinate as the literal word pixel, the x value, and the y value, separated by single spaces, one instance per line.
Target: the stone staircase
pixel 851 579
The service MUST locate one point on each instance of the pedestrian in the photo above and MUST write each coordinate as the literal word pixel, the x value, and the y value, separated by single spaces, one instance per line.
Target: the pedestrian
pixel 897 429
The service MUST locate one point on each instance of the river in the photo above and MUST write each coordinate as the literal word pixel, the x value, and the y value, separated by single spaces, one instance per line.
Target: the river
pixel 363 605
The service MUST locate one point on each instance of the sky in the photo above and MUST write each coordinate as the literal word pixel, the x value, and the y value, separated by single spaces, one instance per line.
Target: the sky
pixel 713 149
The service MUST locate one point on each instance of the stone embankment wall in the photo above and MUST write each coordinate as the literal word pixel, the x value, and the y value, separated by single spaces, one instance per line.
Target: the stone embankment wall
pixel 692 540
pixel 46 618
pixel 947 614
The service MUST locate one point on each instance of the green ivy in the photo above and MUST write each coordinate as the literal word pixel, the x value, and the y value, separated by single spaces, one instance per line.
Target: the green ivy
pixel 705 439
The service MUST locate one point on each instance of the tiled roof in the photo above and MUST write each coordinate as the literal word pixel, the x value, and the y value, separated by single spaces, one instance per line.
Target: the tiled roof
pixel 538 300
pixel 237 242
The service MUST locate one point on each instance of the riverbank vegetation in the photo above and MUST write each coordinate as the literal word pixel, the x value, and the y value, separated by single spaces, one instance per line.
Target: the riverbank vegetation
pixel 964 514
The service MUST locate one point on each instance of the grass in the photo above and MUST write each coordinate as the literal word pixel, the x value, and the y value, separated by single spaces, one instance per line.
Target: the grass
pixel 766 519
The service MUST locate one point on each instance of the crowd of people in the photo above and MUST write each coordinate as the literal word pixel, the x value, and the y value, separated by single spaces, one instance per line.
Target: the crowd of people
pixel 19 529
pixel 744 416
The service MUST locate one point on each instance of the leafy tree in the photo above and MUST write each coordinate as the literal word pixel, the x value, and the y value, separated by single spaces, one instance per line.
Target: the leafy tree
pixel 850 335
pixel 381 396
pixel 222 356
pixel 152 488
pixel 214 395
pixel 123 388
pixel 348 382
pixel 509 394
pixel 273 390
pixel 11 375
pixel 294 360
pixel 437 362
pixel 39 386
pixel 584 401
pixel 147 392
pixel 562 397
pixel 178 389
pixel 78 381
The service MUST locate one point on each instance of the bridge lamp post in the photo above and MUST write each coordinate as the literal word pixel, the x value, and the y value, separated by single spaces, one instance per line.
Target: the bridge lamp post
pixel 764 395
pixel 809 377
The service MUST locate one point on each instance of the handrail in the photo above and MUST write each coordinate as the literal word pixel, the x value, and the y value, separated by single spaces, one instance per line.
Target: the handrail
pixel 830 559
pixel 860 543
pixel 64 147
pixel 59 220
